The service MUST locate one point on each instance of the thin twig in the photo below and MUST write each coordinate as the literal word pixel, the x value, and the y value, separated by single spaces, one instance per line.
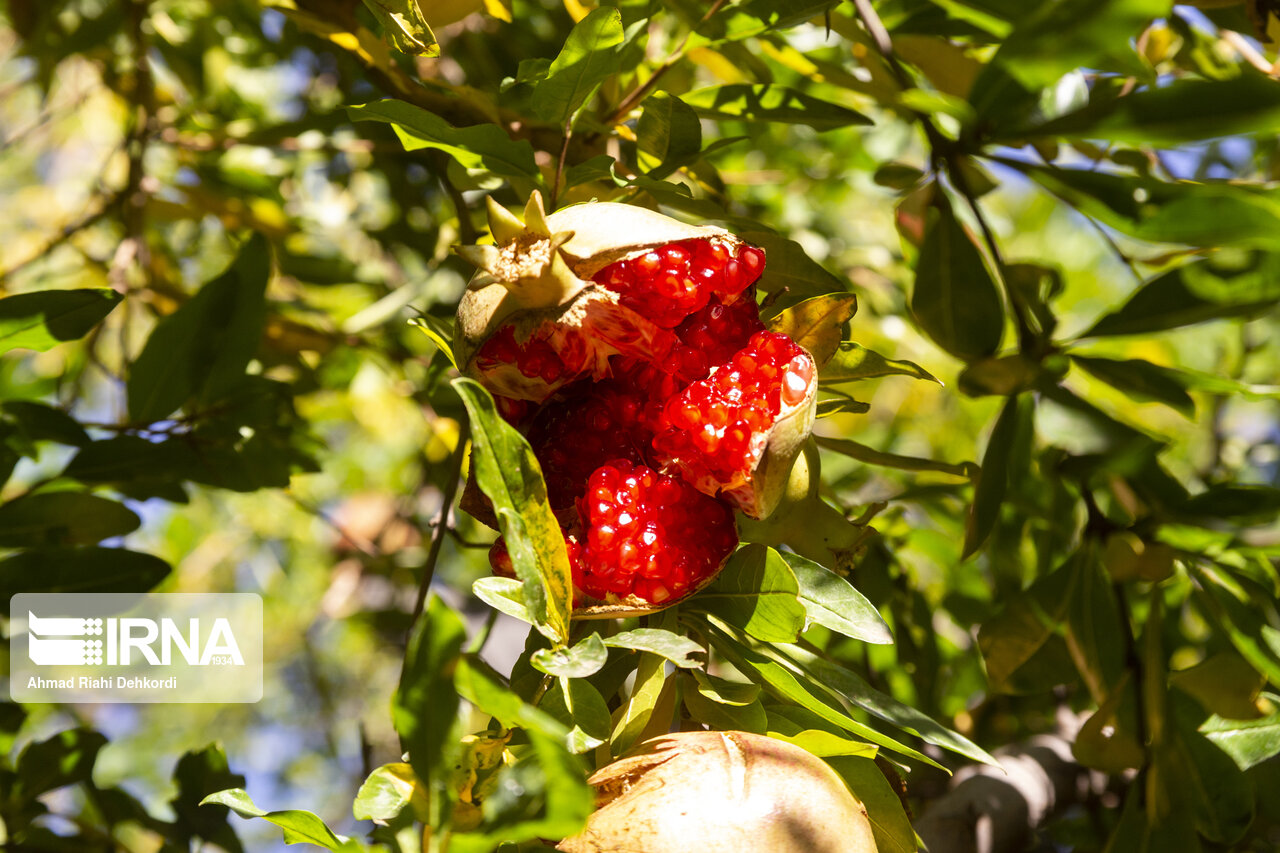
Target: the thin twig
pixel 638 94
pixel 564 151
pixel 942 149
pixel 437 535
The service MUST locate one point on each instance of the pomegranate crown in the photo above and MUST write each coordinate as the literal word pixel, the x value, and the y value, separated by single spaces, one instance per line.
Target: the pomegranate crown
pixel 525 257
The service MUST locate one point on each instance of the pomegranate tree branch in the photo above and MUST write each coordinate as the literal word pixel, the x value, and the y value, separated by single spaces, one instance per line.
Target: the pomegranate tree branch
pixel 638 94
pixel 948 153
pixel 994 810
pixel 438 534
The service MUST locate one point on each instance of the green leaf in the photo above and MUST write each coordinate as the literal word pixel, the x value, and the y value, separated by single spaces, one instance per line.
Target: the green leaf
pixel 842 405
pixel 424 708
pixel 63 518
pixel 1213 215
pixel 1141 380
pixel 758 592
pixel 889 822
pixel 993 479
pixel 824 744
pixel 589 57
pixel 1095 631
pixel 300 827
pixel 582 659
pixel 45 423
pixel 1248 742
pixel 668 134
pixel 550 793
pixel 577 705
pixel 771 103
pixel 637 713
pixel 1186 110
pixel 854 689
pixel 404 26
pixel 503 594
pixel 439 332
pixel 509 474
pixel 198 774
pixel 387 791
pixel 201 350
pixel 871 456
pixel 803 691
pixel 61 569
pixel 707 704
pixel 817 323
pixel 831 601
pixel 1226 500
pixel 1026 623
pixel 1166 302
pixel 64 759
pixel 853 362
pixel 1058 37
pixel 484 147
pixel 676 648
pixel 955 300
pixel 46 318
pixel 1240 614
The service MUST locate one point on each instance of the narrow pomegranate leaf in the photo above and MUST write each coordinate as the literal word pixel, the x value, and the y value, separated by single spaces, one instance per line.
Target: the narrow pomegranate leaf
pixel 817 324
pixel 300 827
pixel 505 595
pixel 668 135
pixel 842 405
pixel 955 299
pixel 677 649
pixel 706 706
pixel 439 332
pixel 551 787
pixel 46 318
pixel 1095 630
pixel 482 146
pixel 852 362
pixel 871 456
pixel 852 688
pixel 634 716
pixel 580 660
pixel 1026 624
pixel 784 683
pixel 831 601
pixel 581 709
pixel 825 744
pixel 201 350
pixel 404 26
pixel 773 104
pixel 509 474
pixel 588 58
pixel 889 822
pixel 993 479
pixel 758 592
pixel 424 708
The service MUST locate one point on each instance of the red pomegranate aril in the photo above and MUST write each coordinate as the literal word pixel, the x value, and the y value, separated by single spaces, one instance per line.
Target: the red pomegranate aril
pixel 708 433
pixel 654 537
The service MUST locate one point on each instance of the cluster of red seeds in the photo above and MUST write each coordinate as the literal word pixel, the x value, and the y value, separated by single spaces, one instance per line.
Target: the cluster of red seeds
pixel 536 358
pixel 668 284
pixel 708 431
pixel 648 534
pixel 634 464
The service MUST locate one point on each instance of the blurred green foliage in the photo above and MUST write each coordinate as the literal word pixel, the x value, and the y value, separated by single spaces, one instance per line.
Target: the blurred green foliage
pixel 219 219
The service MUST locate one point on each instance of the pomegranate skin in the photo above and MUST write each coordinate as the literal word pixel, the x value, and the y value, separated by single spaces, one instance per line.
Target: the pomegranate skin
pixel 722 792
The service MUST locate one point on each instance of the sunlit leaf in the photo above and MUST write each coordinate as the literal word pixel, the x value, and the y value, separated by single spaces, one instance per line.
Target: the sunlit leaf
pixel 588 57
pixel 47 318
pixel 831 601
pixel 758 592
pixel 817 324
pixel 771 103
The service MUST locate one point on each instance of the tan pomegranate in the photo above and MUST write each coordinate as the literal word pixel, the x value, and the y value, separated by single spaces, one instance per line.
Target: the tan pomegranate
pixel 722 792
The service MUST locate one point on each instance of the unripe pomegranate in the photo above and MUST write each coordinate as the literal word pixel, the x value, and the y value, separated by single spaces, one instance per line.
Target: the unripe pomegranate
pixel 558 295
pixel 722 792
